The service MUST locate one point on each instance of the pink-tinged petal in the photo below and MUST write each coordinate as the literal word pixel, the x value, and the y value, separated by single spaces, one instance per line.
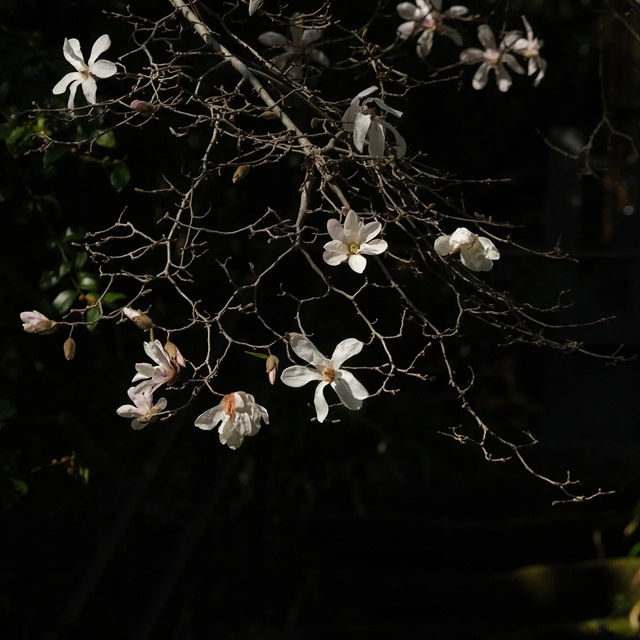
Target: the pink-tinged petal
pixel 99 47
pixel 511 61
pixel 62 85
pixel 210 418
pixel 73 54
pixel 272 39
pixel 373 248
pixel 298 376
pixel 472 56
pixel 89 88
pixel 345 350
pixel 334 259
pixel 73 87
pixel 481 76
pixel 103 69
pixel 485 35
pixel 322 408
pixel 369 230
pixel 361 126
pixel 128 411
pixel 357 263
pixel 335 230
pixel 503 78
pixel 456 11
pixel 376 139
pixel 450 33
pixel 528 28
pixel 318 56
pixel 357 388
pixel 490 250
pixel 425 42
pixel 145 371
pixel 159 406
pixel 542 65
pixel 400 147
pixel 352 226
pixel 156 352
pixel 406 29
pixel 442 246
pixel 345 395
pixel 408 11
pixel 305 349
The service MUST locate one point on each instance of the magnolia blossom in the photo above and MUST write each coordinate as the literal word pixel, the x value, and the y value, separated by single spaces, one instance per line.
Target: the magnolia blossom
pixel 143 411
pixel 85 74
pixel 326 371
pixel 297 51
pixel 426 18
pixel 239 416
pixel 164 371
pixel 493 58
pixel 529 48
pixel 35 322
pixel 476 253
pixel 368 124
pixel 351 241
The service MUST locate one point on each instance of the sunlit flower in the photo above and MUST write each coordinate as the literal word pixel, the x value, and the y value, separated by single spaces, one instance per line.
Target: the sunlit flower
pixel 143 411
pixel 493 58
pixel 352 241
pixel 85 74
pixel 164 371
pixel 426 18
pixel 326 371
pixel 35 322
pixel 239 416
pixel 254 5
pixel 476 253
pixel 297 51
pixel 529 48
pixel 365 118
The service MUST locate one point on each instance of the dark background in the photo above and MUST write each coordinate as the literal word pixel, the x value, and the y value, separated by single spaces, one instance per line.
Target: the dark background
pixel 378 525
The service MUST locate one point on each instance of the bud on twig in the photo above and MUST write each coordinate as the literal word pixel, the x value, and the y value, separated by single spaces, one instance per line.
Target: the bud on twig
pixel 139 318
pixel 272 368
pixel 177 359
pixel 142 107
pixel 240 173
pixel 36 322
pixel 69 348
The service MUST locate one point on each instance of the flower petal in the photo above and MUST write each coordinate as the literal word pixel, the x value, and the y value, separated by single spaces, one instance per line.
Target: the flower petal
pixel 455 11
pixel 481 76
pixel 99 47
pixel 425 42
pixel 73 54
pixel 61 86
pixel 474 259
pixel 357 263
pixel 442 246
pixel 254 5
pixel 305 349
pixel 406 29
pixel 376 138
pixel 210 418
pixel 103 69
pixel 472 56
pixel 345 350
pixel 322 408
pixel 128 411
pixel 352 226
pixel 407 11
pixel 298 376
pixel 503 78
pixel 361 126
pixel 344 393
pixel 490 250
pixel 318 56
pixel 335 230
pixel 89 87
pixel 272 39
pixel 334 258
pixel 73 87
pixel 400 148
pixel 485 35
pixel 369 230
pixel 310 35
pixel 450 33
pixel 374 248
pixel 357 388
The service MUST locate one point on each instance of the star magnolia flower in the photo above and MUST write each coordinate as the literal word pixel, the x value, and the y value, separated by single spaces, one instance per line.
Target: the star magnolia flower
pixel 362 120
pixel 426 18
pixel 325 371
pixel 143 411
pixel 529 48
pixel 164 371
pixel 493 58
pixel 239 415
pixel 351 241
pixel 35 322
pixel 476 253
pixel 85 74
pixel 297 50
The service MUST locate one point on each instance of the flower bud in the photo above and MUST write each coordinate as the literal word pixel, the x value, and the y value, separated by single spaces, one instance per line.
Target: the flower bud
pixel 272 368
pixel 177 359
pixel 69 348
pixel 269 115
pixel 240 173
pixel 139 318
pixel 142 107
pixel 35 322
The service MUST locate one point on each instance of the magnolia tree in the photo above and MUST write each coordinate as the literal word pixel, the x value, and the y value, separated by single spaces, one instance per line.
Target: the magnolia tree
pixel 368 268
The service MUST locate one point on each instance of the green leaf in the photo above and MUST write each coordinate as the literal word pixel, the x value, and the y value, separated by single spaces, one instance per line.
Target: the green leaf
pixel 92 317
pixel 107 140
pixel 87 281
pixel 49 279
pixel 120 177
pixel 110 299
pixel 63 269
pixel 50 159
pixel 255 354
pixel 80 260
pixel 63 301
pixel 20 486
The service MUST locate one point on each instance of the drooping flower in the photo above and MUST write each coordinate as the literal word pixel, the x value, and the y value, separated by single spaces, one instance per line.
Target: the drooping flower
pixel 493 58
pixel 365 118
pixel 427 18
pixel 85 74
pixel 239 416
pixel 529 48
pixel 36 322
pixel 476 252
pixel 326 372
pixel 352 241
pixel 297 51
pixel 153 376
pixel 143 411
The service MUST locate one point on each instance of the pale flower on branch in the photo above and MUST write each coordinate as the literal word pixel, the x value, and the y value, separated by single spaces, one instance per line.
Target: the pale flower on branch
pixel 352 241
pixel 476 252
pixel 326 371
pixel 529 48
pixel 164 371
pixel 365 119
pixel 36 322
pixel 492 58
pixel 143 411
pixel 297 51
pixel 85 74
pixel 426 18
pixel 239 416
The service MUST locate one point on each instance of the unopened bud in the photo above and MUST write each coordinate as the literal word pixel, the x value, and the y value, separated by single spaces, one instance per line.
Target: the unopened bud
pixel 240 173
pixel 69 348
pixel 139 318
pixel 36 322
pixel 269 115
pixel 142 107
pixel 272 368
pixel 316 122
pixel 177 359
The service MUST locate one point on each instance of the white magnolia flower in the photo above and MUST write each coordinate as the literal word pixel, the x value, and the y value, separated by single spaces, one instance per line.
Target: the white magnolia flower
pixel 493 58
pixel 153 376
pixel 368 124
pixel 85 74
pixel 36 322
pixel 143 411
pixel 426 18
pixel 326 371
pixel 297 51
pixel 254 5
pixel 352 241
pixel 476 253
pixel 239 415
pixel 529 47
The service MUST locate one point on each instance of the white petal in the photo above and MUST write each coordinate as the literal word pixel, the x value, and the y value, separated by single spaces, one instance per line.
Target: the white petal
pixel 209 418
pixel 357 263
pixel 333 258
pixel 472 56
pixel 335 230
pixel 475 259
pixel 305 349
pixel 272 39
pixel 128 411
pixel 318 56
pixel 99 47
pixel 345 350
pixel 400 148
pixel 352 226
pixel 373 248
pixel 485 35
pixel 73 87
pixel 254 5
pixel 407 10
pixel 89 87
pixel 511 61
pixel 460 237
pixel 229 435
pixel 310 35
pixel 322 408
pixel 366 92
pixel 370 230
pixel 73 54
pixel 425 42
pixel 361 126
pixel 350 115
pixel 503 78
pixel 406 29
pixel 387 108
pixel 442 246
pixel 103 69
pixel 298 376
pixel 450 33
pixel 357 389
pixel 490 250
pixel 481 76
pixel 456 11
pixel 344 393
pixel 161 405
pixel 376 139
pixel 337 246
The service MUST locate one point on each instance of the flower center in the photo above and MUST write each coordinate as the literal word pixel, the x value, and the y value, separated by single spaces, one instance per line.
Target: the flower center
pixel 492 56
pixel 229 404
pixel 532 51
pixel 85 74
pixel 354 248
pixel 328 374
pixel 430 22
